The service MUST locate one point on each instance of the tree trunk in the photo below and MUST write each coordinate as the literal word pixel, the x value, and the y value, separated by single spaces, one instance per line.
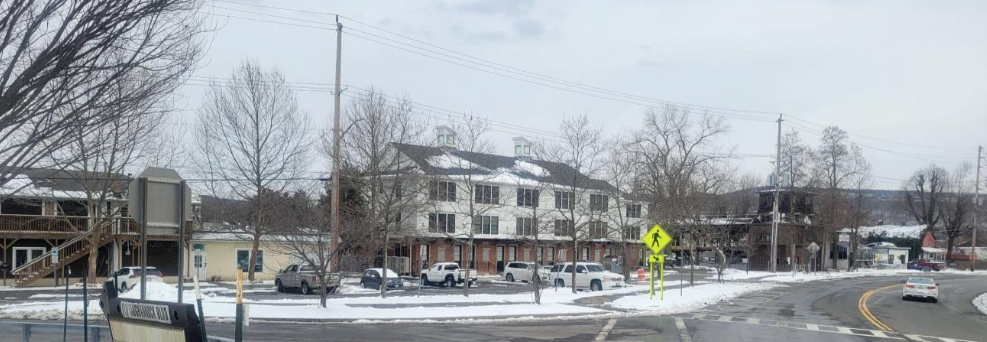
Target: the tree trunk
pixel 575 257
pixel 383 275
pixel 949 248
pixel 253 257
pixel 466 280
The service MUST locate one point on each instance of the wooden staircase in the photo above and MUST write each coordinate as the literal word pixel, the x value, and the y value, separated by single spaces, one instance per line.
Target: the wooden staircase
pixel 68 252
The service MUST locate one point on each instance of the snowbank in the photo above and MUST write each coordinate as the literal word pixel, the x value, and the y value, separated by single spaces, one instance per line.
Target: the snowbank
pixel 735 274
pixel 893 231
pixel 692 298
pixel 981 303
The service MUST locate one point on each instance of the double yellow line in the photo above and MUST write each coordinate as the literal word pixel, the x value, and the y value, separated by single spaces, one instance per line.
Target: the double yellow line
pixel 862 306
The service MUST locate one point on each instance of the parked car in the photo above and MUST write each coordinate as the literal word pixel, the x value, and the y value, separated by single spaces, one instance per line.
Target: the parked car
pixel 128 277
pixel 917 287
pixel 300 277
pixel 926 265
pixel 447 274
pixel 517 270
pixel 544 272
pixel 372 276
pixel 589 275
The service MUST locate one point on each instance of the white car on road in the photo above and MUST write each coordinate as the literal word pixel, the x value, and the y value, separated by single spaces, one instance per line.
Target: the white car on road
pixel 918 287
pixel 517 270
pixel 589 275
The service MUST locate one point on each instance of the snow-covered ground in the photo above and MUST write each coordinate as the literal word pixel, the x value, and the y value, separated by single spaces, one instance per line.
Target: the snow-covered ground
pixel 692 298
pixel 787 277
pixel 893 231
pixel 981 303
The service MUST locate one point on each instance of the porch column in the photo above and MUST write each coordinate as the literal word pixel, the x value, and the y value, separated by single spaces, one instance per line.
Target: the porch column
pixel 116 257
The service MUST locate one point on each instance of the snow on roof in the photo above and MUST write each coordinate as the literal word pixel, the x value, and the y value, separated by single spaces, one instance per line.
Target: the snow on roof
pixel 893 231
pixel 933 250
pixel 449 161
pixel 530 168
pixel 23 186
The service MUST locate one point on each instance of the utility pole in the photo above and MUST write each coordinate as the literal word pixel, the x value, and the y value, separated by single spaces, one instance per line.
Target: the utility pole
pixel 334 241
pixel 976 210
pixel 775 216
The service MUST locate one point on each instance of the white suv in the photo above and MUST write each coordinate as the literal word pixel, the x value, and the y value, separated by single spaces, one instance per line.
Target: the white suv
pixel 128 277
pixel 517 270
pixel 589 275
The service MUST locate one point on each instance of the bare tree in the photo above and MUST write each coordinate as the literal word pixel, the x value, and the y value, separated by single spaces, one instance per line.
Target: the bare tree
pixel 957 207
pixel 533 221
pixel 252 138
pixel 681 164
pixel 840 164
pixel 619 170
pixel 389 181
pixel 580 200
pixel 922 194
pixel 62 60
pixel 102 155
pixel 469 196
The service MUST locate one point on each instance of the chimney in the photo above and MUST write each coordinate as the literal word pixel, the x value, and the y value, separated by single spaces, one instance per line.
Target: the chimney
pixel 446 138
pixel 522 148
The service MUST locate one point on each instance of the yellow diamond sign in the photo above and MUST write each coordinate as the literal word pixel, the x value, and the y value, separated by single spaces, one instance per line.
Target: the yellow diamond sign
pixel 656 239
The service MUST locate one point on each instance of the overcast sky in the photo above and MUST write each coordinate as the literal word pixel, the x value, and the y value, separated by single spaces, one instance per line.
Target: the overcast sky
pixel 893 73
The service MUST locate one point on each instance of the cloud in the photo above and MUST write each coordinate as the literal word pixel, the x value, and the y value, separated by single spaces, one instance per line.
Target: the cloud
pixel 498 7
pixel 526 28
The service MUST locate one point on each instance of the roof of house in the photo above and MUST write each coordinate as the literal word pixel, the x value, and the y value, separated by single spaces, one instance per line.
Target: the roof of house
pixel 38 182
pixel 496 168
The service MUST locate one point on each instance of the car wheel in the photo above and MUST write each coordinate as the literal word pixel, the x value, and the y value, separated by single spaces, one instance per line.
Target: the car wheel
pixel 559 283
pixel 450 282
pixel 280 286
pixel 305 289
pixel 510 277
pixel 904 297
pixel 470 284
pixel 596 286
pixel 424 280
pixel 124 288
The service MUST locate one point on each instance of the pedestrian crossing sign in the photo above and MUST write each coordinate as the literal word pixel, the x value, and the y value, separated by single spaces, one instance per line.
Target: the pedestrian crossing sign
pixel 656 239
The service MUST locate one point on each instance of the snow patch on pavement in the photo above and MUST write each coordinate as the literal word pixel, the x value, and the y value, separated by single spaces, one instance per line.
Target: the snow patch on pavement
pixel 692 298
pixel 981 303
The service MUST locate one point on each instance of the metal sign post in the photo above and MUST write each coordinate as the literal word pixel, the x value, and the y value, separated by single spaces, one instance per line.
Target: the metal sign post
pixel 656 240
pixel 161 201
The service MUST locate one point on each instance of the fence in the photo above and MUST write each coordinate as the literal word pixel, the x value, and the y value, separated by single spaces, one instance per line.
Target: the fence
pixel 96 332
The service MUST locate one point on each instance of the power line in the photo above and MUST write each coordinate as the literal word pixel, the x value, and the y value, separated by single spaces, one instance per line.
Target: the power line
pixel 914 156
pixel 885 140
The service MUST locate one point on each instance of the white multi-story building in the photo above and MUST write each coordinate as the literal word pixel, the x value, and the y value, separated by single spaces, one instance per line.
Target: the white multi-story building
pixel 513 199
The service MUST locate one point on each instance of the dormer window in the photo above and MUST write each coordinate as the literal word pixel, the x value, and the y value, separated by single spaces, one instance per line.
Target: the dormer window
pixel 442 139
pixel 517 149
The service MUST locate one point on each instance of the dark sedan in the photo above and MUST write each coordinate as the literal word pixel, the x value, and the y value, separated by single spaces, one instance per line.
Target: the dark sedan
pixel 372 277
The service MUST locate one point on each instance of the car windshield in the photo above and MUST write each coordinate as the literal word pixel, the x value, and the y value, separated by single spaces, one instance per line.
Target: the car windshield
pixel 924 281
pixel 594 268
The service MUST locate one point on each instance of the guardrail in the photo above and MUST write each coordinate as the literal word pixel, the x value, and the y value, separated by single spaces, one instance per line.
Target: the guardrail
pixel 96 332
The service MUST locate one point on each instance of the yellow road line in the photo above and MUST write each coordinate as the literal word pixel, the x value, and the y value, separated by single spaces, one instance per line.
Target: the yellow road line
pixel 862 306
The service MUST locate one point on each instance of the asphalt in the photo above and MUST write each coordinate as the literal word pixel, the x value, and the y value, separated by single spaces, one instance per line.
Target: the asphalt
pixel 815 311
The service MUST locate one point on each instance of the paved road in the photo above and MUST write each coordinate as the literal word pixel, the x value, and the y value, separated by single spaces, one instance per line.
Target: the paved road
pixel 818 311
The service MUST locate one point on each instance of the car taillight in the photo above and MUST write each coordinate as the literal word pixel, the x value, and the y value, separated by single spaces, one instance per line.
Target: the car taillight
pixel 930 287
pixel 910 286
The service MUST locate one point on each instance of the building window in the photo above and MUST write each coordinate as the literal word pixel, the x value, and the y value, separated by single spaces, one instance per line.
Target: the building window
pixel 540 254
pixel 517 149
pixel 585 255
pixel 564 228
pixel 599 202
pixel 525 226
pixel 551 254
pixel 243 259
pixel 597 230
pixel 634 210
pixel 527 149
pixel 442 191
pixel 527 197
pixel 397 217
pixel 457 255
pixel 442 223
pixel 485 224
pixel 632 233
pixel 564 200
pixel 398 189
pixel 488 194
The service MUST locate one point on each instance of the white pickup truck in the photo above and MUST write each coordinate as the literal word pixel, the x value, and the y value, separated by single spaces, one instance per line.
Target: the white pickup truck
pixel 447 274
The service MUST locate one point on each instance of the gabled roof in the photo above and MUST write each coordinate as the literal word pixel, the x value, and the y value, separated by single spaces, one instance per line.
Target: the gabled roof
pixel 496 168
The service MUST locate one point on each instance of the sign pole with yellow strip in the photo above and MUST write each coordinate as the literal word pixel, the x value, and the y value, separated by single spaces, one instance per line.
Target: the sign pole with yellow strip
pixel 656 240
